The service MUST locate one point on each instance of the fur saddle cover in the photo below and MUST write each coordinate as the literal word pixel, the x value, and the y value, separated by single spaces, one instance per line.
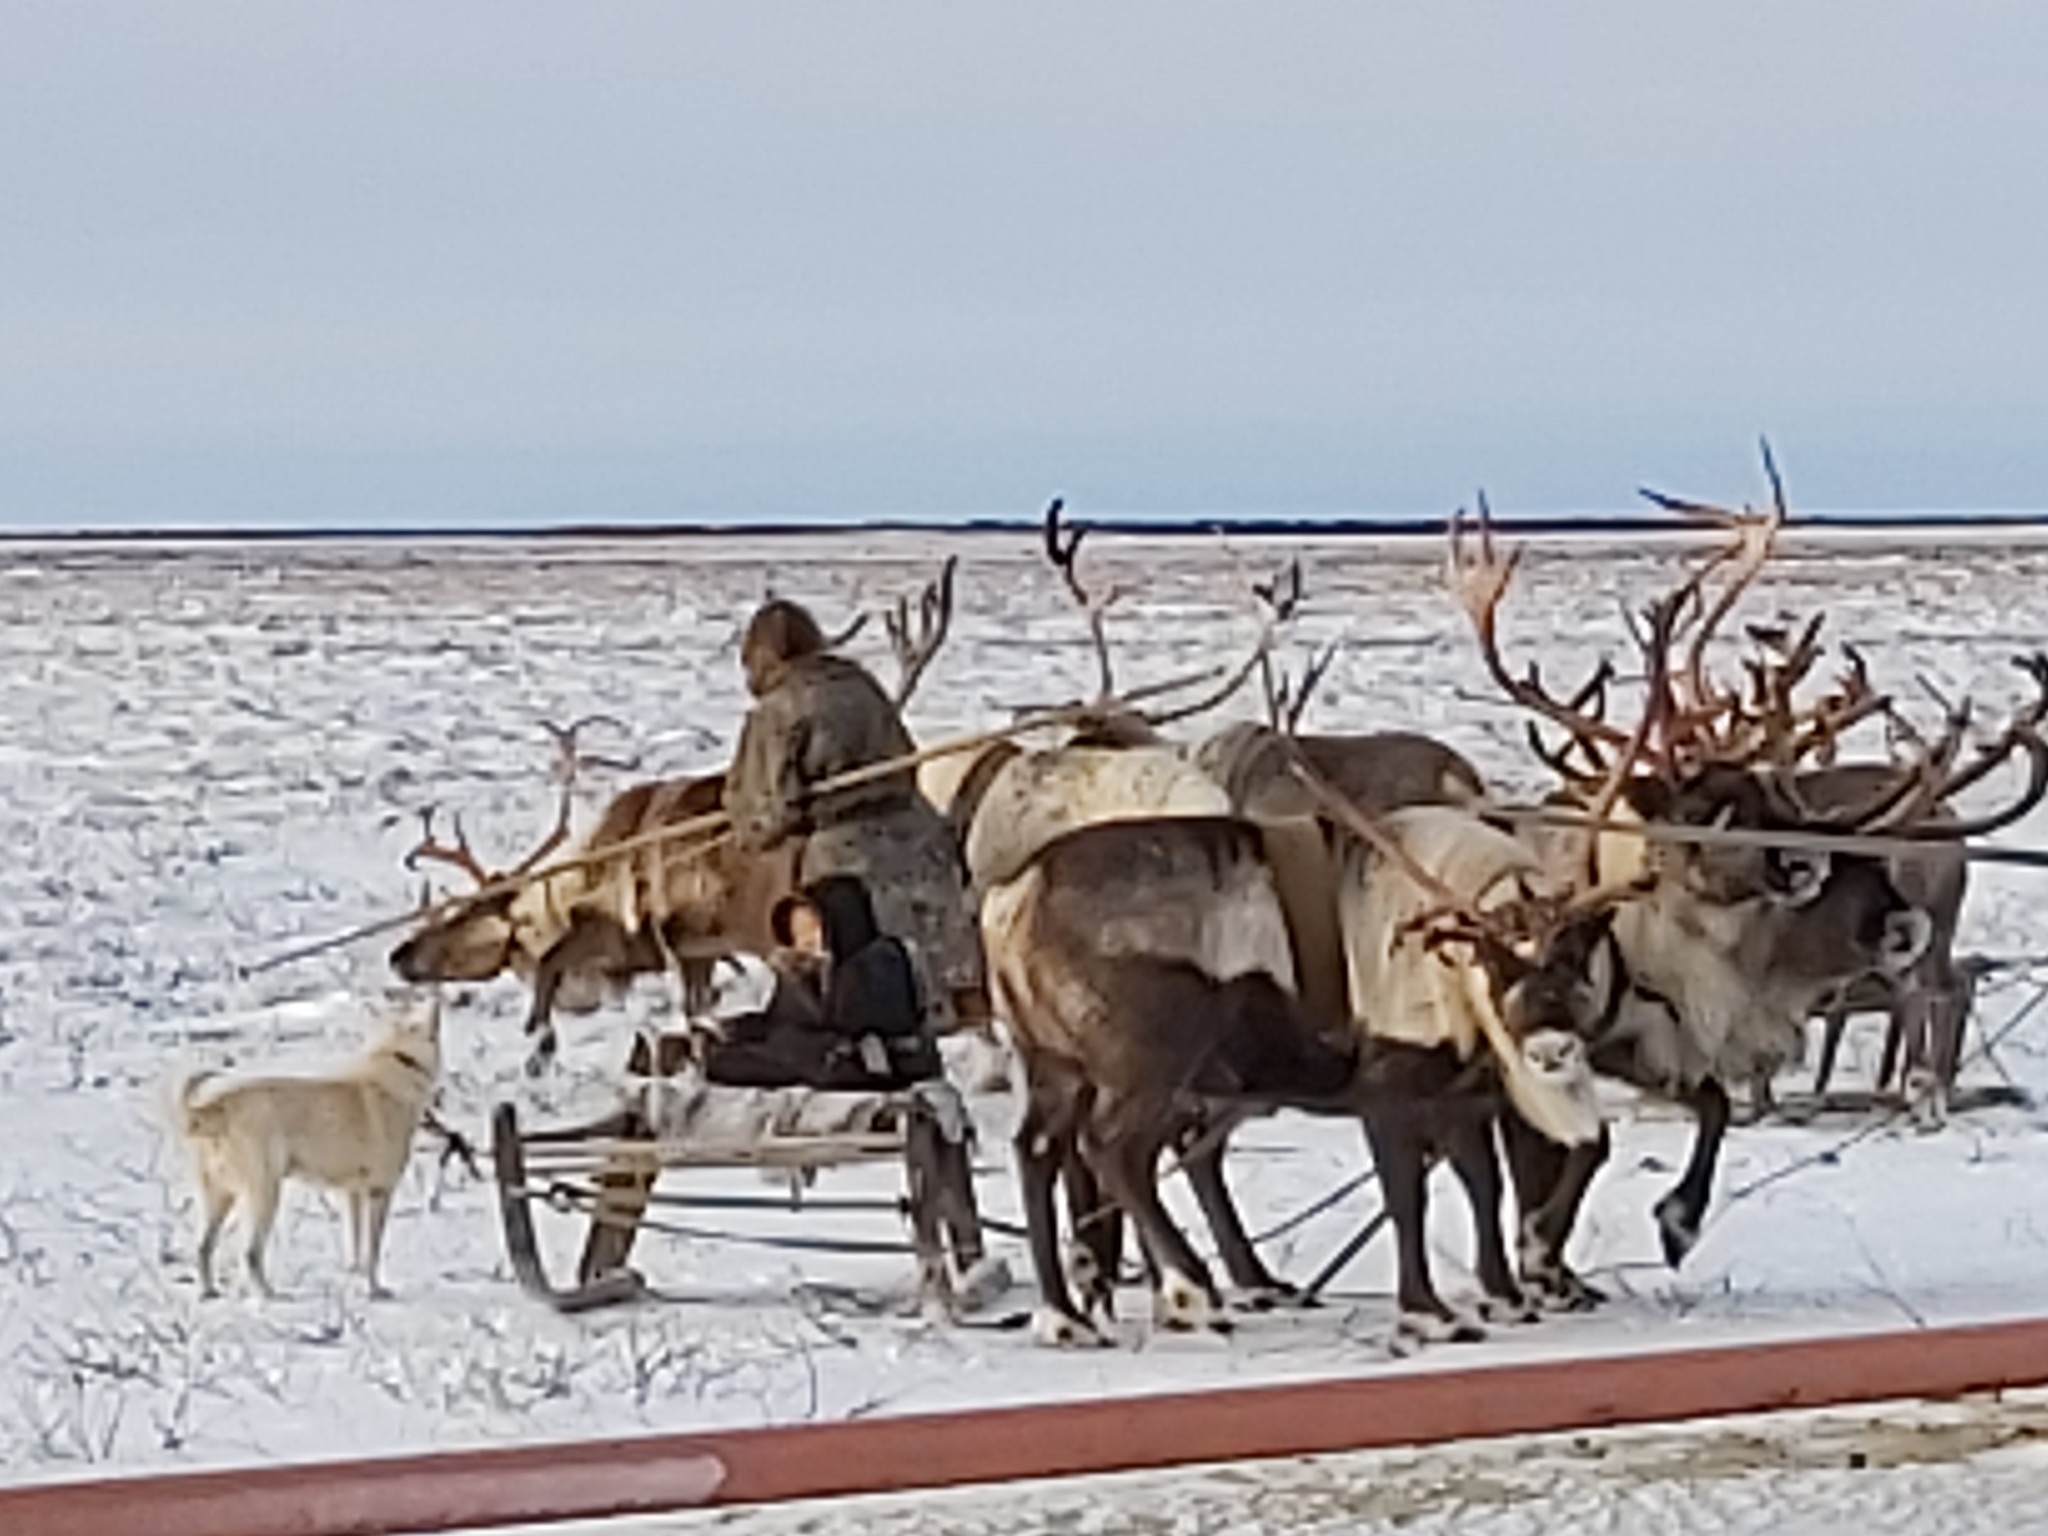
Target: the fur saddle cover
pixel 686 1109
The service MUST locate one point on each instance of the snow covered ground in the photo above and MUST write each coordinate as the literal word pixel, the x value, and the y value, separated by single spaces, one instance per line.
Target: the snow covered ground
pixel 1960 1469
pixel 216 751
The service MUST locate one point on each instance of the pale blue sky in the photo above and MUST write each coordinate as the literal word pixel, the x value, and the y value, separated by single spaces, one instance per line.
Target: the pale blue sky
pixel 499 263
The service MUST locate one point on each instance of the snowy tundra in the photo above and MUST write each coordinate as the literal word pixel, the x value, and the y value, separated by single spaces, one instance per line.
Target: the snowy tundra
pixel 219 751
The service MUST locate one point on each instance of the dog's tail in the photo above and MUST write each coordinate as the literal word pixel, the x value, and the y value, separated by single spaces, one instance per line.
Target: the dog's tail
pixel 196 1111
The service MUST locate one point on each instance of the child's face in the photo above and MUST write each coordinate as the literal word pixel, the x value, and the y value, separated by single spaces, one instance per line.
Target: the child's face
pixel 806 929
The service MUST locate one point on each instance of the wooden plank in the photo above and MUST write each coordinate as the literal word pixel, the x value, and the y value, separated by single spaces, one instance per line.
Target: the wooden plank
pixel 597 1479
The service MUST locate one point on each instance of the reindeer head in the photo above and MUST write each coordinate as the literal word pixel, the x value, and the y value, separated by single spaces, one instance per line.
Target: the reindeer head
pixel 476 938
pixel 1530 961
pixel 474 941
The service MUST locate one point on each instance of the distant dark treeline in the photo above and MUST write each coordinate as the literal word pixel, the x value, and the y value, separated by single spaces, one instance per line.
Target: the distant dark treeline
pixel 1285 527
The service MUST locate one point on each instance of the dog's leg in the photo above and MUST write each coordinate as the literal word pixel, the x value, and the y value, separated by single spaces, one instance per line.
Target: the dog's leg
pixel 376 1211
pixel 359 1209
pixel 262 1193
pixel 219 1199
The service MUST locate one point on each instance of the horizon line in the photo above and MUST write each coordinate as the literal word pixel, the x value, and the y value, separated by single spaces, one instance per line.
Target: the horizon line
pixel 1345 526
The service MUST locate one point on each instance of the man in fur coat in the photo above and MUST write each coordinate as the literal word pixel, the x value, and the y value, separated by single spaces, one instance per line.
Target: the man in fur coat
pixel 817 715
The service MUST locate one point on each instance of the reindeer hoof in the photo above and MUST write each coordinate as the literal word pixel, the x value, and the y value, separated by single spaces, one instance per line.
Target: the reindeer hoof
pixel 1268 1296
pixel 1184 1305
pixel 1516 1308
pixel 1062 1330
pixel 1096 1290
pixel 1678 1232
pixel 1560 1290
pixel 1418 1327
pixel 1926 1099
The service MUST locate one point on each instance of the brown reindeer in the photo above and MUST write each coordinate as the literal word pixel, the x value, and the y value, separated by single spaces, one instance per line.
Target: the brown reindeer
pixel 581 934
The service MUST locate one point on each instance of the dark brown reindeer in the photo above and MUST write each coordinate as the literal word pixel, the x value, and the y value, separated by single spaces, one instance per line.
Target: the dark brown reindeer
pixel 1929 1004
pixel 1013 803
pixel 1153 984
pixel 1691 996
pixel 1166 974
pixel 679 905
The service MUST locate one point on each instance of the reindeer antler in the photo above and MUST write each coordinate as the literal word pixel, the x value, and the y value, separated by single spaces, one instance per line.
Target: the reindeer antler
pixel 459 853
pixel 916 642
pixel 569 762
pixel 1277 601
pixel 1935 778
pixel 1756 534
pixel 1479 579
pixel 1291 697
pixel 1062 549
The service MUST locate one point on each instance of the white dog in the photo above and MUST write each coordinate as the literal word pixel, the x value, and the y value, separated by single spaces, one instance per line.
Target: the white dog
pixel 351 1130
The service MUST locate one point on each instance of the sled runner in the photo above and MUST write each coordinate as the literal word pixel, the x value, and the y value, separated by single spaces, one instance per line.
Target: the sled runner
pixel 607 1172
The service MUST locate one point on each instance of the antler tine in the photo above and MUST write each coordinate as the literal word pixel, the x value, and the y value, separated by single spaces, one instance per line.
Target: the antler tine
pixel 1062 549
pixel 1222 694
pixel 846 636
pixel 916 645
pixel 1294 698
pixel 1724 516
pixel 567 764
pixel 459 854
pixel 1275 602
pixel 1558 759
pixel 1921 784
pixel 1281 595
pixel 1771 474
pixel 570 758
pixel 1755 536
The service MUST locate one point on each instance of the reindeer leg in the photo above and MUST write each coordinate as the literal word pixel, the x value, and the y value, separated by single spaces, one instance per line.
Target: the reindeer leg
pixel 1401 1154
pixel 1040 1155
pixel 1832 1029
pixel 1680 1213
pixel 1550 1185
pixel 1896 1030
pixel 1096 1256
pixel 1128 1165
pixel 1470 1146
pixel 547 981
pixel 1203 1164
pixel 1940 1009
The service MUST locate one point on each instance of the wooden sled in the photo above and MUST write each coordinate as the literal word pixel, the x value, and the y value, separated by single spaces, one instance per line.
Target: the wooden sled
pixel 609 1169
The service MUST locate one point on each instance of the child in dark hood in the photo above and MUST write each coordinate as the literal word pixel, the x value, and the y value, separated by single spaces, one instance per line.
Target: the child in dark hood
pixel 863 1029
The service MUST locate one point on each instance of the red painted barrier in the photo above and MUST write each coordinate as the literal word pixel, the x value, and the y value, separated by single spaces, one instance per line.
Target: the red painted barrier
pixel 592 1479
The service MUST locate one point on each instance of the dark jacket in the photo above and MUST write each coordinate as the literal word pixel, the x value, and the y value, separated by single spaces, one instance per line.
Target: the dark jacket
pixel 823 716
pixel 867 1029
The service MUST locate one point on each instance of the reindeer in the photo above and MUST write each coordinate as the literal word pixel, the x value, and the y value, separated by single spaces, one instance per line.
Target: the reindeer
pixel 1157 978
pixel 679 905
pixel 1929 1003
pixel 580 936
pixel 1709 979
pixel 1009 804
